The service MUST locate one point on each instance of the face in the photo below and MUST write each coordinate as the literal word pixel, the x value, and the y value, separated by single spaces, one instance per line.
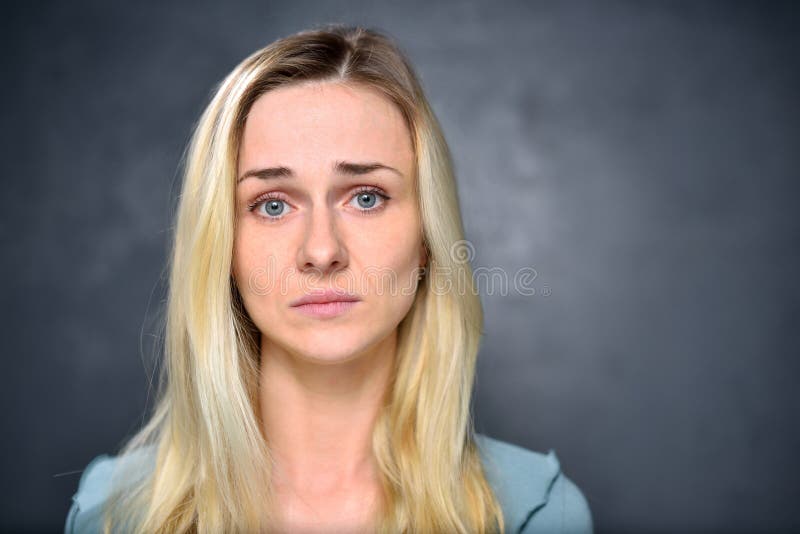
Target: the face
pixel 325 201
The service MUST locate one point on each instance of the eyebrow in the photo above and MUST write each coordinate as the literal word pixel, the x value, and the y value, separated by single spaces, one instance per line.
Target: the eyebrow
pixel 340 167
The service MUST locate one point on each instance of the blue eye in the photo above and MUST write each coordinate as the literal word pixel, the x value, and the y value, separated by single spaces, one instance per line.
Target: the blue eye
pixel 369 199
pixel 273 207
pixel 270 207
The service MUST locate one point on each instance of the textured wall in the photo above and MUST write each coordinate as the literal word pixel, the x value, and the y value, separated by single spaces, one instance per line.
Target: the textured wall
pixel 641 157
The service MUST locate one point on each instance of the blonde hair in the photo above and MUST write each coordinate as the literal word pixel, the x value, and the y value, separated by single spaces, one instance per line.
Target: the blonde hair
pixel 210 460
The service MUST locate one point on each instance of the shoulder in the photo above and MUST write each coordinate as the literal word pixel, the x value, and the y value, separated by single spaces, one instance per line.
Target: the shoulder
pixel 534 493
pixel 95 486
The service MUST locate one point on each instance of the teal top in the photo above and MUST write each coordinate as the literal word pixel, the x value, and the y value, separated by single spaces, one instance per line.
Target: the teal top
pixel 535 495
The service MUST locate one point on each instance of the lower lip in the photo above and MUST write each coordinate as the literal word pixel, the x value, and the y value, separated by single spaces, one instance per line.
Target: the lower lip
pixel 328 309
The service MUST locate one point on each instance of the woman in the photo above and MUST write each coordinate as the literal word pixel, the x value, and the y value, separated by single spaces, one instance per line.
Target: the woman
pixel 319 360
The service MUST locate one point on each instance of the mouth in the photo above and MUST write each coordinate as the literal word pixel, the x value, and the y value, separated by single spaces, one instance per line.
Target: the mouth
pixel 326 309
pixel 326 303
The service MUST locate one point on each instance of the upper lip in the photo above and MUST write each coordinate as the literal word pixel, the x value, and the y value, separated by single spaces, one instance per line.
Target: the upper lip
pixel 328 295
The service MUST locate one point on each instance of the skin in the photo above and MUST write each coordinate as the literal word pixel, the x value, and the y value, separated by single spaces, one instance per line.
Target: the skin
pixel 322 380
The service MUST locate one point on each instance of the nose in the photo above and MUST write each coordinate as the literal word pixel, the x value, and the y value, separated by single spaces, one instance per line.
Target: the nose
pixel 322 249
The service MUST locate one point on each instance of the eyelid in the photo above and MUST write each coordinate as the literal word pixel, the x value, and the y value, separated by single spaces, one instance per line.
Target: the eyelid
pixel 375 190
pixel 263 197
pixel 266 197
pixel 277 195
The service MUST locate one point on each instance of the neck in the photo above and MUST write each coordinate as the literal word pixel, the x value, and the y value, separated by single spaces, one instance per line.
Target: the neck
pixel 318 418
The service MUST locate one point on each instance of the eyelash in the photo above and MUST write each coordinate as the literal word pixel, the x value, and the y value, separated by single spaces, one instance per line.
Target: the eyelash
pixel 360 191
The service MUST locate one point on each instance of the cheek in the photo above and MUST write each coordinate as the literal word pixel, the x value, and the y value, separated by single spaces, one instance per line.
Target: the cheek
pixel 389 266
pixel 257 261
pixel 243 256
pixel 388 248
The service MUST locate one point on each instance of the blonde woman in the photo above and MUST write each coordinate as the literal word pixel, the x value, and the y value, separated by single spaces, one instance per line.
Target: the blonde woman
pixel 319 352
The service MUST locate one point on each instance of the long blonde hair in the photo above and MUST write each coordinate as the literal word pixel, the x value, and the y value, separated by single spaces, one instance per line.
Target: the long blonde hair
pixel 209 459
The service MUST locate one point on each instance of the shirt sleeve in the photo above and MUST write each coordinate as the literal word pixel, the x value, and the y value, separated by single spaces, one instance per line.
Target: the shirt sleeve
pixel 85 512
pixel 565 512
pixel 69 526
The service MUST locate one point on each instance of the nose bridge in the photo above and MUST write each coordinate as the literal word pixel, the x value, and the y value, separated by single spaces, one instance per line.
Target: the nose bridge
pixel 322 247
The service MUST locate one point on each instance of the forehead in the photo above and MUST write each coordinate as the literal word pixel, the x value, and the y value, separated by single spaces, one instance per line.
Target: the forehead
pixel 315 123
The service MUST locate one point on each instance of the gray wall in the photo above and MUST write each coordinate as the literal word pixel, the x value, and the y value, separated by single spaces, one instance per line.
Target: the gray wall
pixel 641 157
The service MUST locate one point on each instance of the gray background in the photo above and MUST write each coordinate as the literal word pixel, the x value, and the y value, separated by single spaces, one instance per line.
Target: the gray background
pixel 640 156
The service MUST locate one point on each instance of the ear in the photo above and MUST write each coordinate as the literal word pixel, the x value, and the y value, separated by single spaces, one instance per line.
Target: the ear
pixel 423 254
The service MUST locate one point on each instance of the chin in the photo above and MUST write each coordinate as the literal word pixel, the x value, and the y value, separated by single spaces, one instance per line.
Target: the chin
pixel 324 346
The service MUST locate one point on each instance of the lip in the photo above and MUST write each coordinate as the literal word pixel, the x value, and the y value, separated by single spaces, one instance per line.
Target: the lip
pixel 324 297
pixel 323 304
